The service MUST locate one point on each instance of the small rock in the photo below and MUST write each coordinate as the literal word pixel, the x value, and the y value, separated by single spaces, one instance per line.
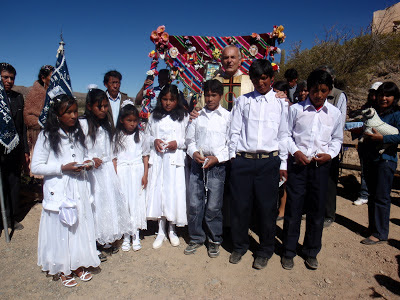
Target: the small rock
pixel 381 272
pixel 328 281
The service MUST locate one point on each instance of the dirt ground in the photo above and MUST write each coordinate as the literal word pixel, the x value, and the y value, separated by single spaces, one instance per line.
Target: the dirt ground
pixel 348 269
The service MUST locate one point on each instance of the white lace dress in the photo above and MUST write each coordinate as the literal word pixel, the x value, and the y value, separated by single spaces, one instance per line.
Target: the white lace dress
pixel 130 171
pixel 110 208
pixel 62 248
pixel 166 192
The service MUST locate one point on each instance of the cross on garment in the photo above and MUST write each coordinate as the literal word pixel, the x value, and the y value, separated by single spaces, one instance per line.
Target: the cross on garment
pixel 232 88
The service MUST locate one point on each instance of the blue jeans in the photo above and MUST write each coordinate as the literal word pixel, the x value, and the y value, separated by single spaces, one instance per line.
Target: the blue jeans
pixel 379 176
pixel 363 193
pixel 210 209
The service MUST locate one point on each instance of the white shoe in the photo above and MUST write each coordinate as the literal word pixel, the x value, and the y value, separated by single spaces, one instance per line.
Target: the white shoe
pixel 136 246
pixel 360 201
pixel 159 240
pixel 126 245
pixel 173 238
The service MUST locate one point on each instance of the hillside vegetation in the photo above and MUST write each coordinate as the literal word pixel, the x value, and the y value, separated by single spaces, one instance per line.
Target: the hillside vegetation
pixel 358 60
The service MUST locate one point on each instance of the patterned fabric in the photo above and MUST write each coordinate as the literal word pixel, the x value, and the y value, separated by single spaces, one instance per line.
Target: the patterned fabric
pixel 60 83
pixel 8 134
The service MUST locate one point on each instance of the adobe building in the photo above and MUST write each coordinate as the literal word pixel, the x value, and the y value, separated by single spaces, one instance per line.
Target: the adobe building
pixel 387 20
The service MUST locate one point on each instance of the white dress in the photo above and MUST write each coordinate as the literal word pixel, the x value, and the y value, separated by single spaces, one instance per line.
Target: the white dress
pixel 130 169
pixel 166 192
pixel 110 208
pixel 62 248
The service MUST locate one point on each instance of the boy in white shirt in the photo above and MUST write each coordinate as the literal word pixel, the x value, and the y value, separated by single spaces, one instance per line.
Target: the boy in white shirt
pixel 207 143
pixel 258 153
pixel 316 131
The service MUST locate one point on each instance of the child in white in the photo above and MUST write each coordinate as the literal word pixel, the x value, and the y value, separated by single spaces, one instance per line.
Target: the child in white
pixel 166 194
pixel 64 246
pixel 110 209
pixel 132 165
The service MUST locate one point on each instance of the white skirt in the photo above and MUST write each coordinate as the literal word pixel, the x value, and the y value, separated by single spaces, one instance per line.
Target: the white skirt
pixel 130 175
pixel 166 194
pixel 63 248
pixel 110 208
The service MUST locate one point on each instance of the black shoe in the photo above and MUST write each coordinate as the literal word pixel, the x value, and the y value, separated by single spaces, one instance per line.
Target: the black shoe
pixel 111 250
pixel 213 249
pixel 328 222
pixel 191 248
pixel 311 263
pixel 102 256
pixel 368 241
pixel 18 226
pixel 235 257
pixel 260 263
pixel 287 262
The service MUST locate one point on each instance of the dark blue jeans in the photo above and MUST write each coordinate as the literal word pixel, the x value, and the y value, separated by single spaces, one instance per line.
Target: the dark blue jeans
pixel 379 176
pixel 210 209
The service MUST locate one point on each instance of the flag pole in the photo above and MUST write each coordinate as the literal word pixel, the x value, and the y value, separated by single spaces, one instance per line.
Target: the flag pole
pixel 3 210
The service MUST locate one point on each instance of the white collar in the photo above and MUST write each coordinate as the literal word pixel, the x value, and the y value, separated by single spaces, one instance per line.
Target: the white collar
pixel 111 99
pixel 308 104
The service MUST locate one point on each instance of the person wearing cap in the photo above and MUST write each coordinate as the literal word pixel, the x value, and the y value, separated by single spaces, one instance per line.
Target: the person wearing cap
pixel 363 193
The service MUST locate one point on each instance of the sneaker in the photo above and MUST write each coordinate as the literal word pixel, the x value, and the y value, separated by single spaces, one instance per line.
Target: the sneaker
pixel 328 222
pixel 159 241
pixel 191 248
pixel 174 239
pixel 213 250
pixel 360 201
pixel 311 263
pixel 136 246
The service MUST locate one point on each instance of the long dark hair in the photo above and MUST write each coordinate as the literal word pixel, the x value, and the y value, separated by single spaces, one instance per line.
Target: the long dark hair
pixel 178 113
pixel 61 104
pixel 388 89
pixel 93 97
pixel 124 112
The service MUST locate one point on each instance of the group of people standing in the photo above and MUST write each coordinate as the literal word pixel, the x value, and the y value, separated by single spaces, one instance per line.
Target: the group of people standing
pixel 104 178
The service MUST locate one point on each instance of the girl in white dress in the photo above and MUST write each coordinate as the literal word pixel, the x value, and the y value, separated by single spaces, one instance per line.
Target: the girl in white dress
pixel 110 208
pixel 166 194
pixel 132 165
pixel 65 246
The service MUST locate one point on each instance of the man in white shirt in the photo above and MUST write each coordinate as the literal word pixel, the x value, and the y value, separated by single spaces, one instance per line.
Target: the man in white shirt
pixel 112 81
pixel 258 153
pixel 207 142
pixel 316 131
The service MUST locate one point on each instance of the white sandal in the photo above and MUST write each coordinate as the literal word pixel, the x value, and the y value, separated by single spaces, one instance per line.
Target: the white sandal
pixel 69 280
pixel 83 275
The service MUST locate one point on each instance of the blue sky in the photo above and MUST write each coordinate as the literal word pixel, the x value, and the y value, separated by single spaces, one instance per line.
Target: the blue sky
pixel 104 35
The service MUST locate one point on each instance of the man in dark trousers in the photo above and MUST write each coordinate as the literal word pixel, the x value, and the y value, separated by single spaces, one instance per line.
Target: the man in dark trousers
pixel 11 163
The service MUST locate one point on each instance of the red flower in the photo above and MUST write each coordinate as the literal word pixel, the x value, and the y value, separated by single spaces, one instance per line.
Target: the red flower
pixel 161 29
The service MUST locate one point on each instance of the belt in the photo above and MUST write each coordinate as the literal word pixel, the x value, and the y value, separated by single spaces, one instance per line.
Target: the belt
pixel 261 155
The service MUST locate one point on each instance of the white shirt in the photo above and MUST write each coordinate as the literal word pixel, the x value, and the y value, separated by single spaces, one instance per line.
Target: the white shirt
pixel 313 131
pixel 259 124
pixel 115 105
pixel 210 133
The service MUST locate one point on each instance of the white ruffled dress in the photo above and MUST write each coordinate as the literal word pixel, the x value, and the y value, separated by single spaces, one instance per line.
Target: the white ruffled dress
pixel 130 169
pixel 110 208
pixel 166 192
pixel 63 248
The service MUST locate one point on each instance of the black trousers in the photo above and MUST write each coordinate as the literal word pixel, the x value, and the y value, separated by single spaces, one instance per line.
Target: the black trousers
pixel 11 167
pixel 330 210
pixel 306 187
pixel 254 185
